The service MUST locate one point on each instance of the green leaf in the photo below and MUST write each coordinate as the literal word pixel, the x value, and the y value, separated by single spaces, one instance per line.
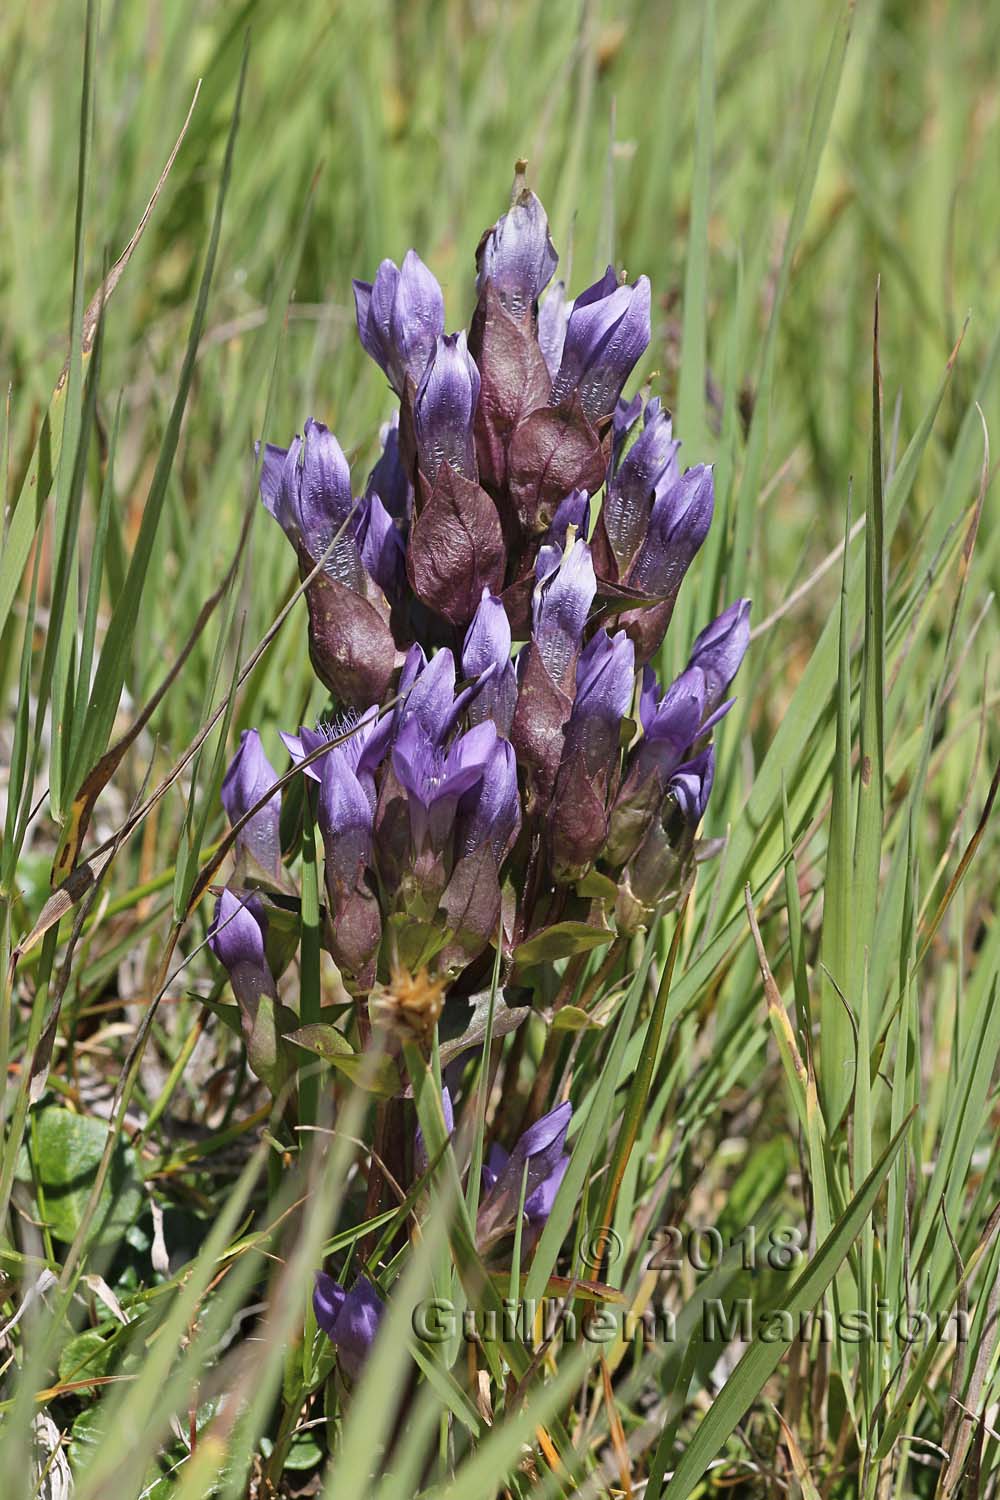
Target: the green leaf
pixel 491 1017
pixel 322 1039
pixel 560 941
pixel 66 1150
pixel 761 1359
pixel 89 1354
pixel 836 1041
pixel 572 1018
pixel 377 1075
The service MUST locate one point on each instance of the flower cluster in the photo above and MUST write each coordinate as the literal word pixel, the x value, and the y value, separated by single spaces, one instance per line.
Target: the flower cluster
pixel 486 615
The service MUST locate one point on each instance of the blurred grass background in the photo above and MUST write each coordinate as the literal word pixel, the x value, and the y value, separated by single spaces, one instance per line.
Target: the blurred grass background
pixel 409 120
pixel 368 128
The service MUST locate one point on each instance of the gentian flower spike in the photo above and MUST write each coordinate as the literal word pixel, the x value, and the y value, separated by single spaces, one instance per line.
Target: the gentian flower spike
pixel 471 758
pixel 349 1319
pixel 249 776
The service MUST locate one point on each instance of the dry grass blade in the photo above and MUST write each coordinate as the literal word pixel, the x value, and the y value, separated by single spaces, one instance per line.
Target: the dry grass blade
pixel 799 1465
pixel 99 301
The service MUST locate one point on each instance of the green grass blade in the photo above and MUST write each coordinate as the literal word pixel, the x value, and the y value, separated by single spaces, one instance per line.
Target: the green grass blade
pixel 762 1358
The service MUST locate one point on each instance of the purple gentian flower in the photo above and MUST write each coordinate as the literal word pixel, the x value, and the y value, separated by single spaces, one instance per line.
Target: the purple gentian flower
pixel 427 693
pixel 307 488
pixel 383 551
pixel 605 681
pixel 345 818
pixel 445 407
pixel 720 648
pixel 657 869
pixel 349 1319
pixel 490 814
pixel 678 524
pixel 560 604
pixel 434 778
pixel 362 738
pixel 670 723
pixel 388 478
pixel 606 335
pixel 236 937
pixel 690 787
pixel 345 813
pixel 553 316
pixel 400 317
pixel 540 1150
pixel 573 511
pixel 623 419
pixel 487 650
pixel 249 776
pixel 648 470
pixel 517 256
